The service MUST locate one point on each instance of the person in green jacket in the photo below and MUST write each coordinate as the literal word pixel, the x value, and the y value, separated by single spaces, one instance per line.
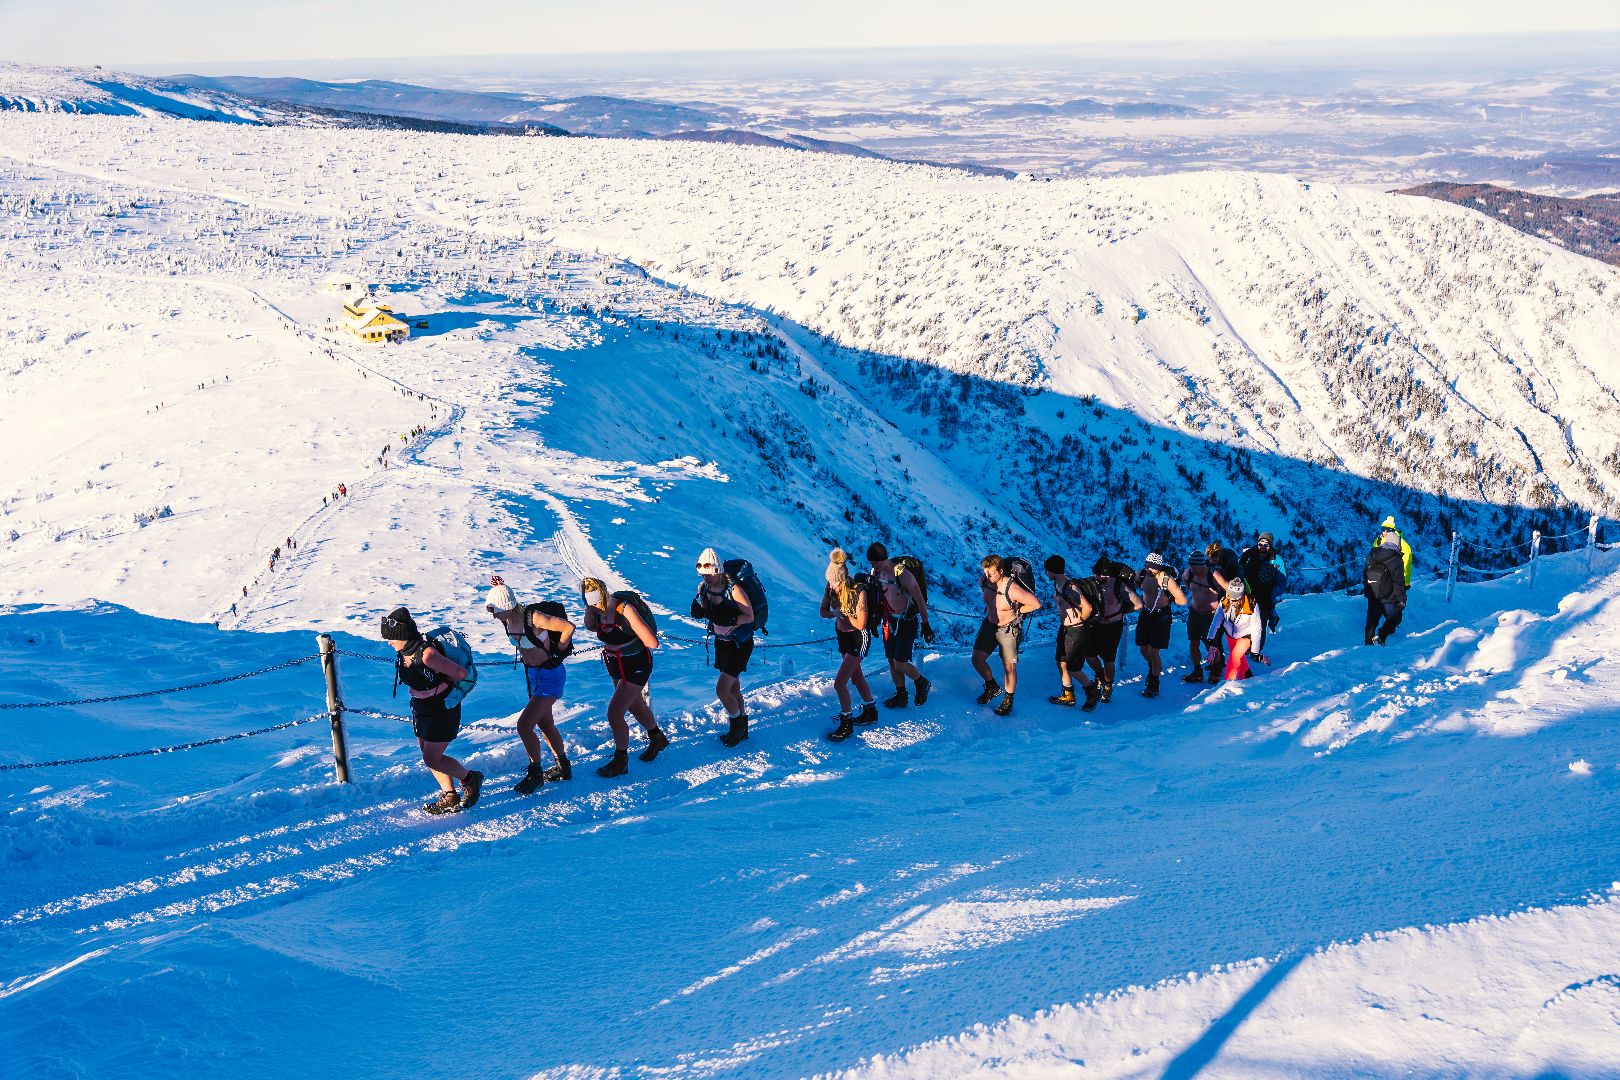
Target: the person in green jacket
pixel 1388 526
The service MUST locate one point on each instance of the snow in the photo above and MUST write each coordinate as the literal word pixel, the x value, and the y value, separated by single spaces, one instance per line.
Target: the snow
pixel 1364 860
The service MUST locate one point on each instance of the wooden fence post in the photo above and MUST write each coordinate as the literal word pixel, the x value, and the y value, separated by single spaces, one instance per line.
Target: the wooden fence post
pixel 1451 568
pixel 1591 542
pixel 1535 553
pixel 334 707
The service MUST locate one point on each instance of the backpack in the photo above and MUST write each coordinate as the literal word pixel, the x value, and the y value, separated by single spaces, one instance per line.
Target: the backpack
pixel 635 600
pixel 741 572
pixel 915 566
pixel 454 647
pixel 556 611
pixel 1379 584
pixel 1084 588
pixel 1109 605
pixel 1022 575
pixel 873 589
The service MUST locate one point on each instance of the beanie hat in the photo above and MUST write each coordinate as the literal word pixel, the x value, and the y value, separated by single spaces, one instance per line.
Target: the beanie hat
pixel 1154 561
pixel 837 570
pixel 1197 558
pixel 1266 538
pixel 1103 567
pixel 1234 589
pixel 1389 522
pixel 709 562
pixel 1056 564
pixel 501 597
pixel 398 625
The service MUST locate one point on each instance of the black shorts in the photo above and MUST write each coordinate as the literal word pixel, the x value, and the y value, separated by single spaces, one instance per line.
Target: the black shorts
pixel 900 639
pixel 1003 639
pixel 1105 639
pixel 1198 624
pixel 731 657
pixel 432 722
pixel 850 642
pixel 1074 645
pixel 636 667
pixel 1153 629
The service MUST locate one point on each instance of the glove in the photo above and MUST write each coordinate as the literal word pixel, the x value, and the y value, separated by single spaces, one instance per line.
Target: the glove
pixel 927 633
pixel 1273 622
pixel 697 609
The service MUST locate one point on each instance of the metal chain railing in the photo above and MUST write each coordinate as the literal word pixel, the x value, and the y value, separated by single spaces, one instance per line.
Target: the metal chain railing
pixel 156 693
pixel 161 749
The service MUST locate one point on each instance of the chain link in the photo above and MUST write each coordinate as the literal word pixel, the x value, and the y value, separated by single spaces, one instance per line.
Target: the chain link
pixel 155 693
pixel 162 749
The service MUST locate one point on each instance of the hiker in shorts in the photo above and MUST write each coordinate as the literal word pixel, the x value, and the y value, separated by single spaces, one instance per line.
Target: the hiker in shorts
pixel 1006 603
pixel 850 604
pixel 1203 591
pixel 1116 600
pixel 1159 591
pixel 428 674
pixel 725 606
pixel 628 641
pixel 1076 610
pixel 543 637
pixel 905 610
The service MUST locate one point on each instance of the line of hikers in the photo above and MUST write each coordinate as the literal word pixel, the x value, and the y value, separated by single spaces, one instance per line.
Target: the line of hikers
pixel 1231 602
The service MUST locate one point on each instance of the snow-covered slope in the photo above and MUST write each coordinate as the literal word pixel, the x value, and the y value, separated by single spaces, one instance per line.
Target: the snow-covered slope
pixel 31 88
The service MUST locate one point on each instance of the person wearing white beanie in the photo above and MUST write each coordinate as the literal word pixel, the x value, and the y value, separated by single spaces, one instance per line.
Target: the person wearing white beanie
pixel 724 604
pixel 543 637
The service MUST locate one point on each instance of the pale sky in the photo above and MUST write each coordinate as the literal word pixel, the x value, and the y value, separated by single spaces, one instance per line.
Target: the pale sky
pixel 162 32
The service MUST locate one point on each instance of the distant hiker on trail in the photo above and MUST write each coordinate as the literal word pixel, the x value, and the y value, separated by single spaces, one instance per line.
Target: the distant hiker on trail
pixel 1238 620
pixel 429 675
pixel 1388 526
pixel 1116 600
pixel 905 608
pixel 1159 591
pixel 1263 573
pixel 543 637
pixel 725 606
pixel 1006 603
pixel 233 608
pixel 1077 607
pixel 1204 590
pixel 1384 583
pixel 851 603
pixel 343 490
pixel 244 590
pixel 624 626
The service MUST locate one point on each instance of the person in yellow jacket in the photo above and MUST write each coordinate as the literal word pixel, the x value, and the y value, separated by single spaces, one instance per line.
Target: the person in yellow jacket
pixel 1388 525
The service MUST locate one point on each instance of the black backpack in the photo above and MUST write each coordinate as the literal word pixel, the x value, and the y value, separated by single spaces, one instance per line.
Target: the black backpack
pixel 1023 574
pixel 1110 604
pixel 873 589
pixel 1379 581
pixel 741 572
pixel 1076 588
pixel 555 610
pixel 915 566
pixel 635 600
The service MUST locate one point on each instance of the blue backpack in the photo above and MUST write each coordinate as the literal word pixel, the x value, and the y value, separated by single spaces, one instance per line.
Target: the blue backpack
pixel 454 647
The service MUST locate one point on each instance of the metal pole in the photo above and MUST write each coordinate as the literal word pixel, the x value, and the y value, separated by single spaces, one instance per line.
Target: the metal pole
pixel 334 707
pixel 1591 542
pixel 1535 551
pixel 1451 568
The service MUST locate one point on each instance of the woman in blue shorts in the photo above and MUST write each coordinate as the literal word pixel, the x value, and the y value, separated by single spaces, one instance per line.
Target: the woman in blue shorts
pixel 543 637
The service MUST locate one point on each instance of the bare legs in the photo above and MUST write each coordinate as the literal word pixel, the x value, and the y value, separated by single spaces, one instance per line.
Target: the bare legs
pixel 443 767
pixel 849 671
pixel 628 697
pixel 537 714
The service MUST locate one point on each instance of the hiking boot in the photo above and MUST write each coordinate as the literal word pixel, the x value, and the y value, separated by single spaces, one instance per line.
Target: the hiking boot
pixel 1151 687
pixel 1004 706
pixel 448 802
pixel 867 715
pixel 1369 640
pixel 560 771
pixel 1065 698
pixel 991 689
pixel 923 686
pixel 737 732
pixel 845 728
pixel 1380 640
pixel 1196 675
pixel 531 780
pixel 471 785
pixel 617 765
pixel 1093 695
pixel 656 741
pixel 1107 693
pixel 1214 675
pixel 900 700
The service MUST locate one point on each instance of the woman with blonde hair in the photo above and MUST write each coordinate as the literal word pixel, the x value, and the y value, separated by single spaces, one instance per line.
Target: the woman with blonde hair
pixel 847 601
pixel 624 626
pixel 1238 619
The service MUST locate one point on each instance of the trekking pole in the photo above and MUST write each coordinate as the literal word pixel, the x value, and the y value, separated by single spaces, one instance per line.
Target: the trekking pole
pixel 1535 551
pixel 1451 568
pixel 1591 542
pixel 334 707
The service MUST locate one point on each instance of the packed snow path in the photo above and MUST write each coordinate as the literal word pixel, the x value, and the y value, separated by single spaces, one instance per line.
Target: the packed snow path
pixel 793 906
